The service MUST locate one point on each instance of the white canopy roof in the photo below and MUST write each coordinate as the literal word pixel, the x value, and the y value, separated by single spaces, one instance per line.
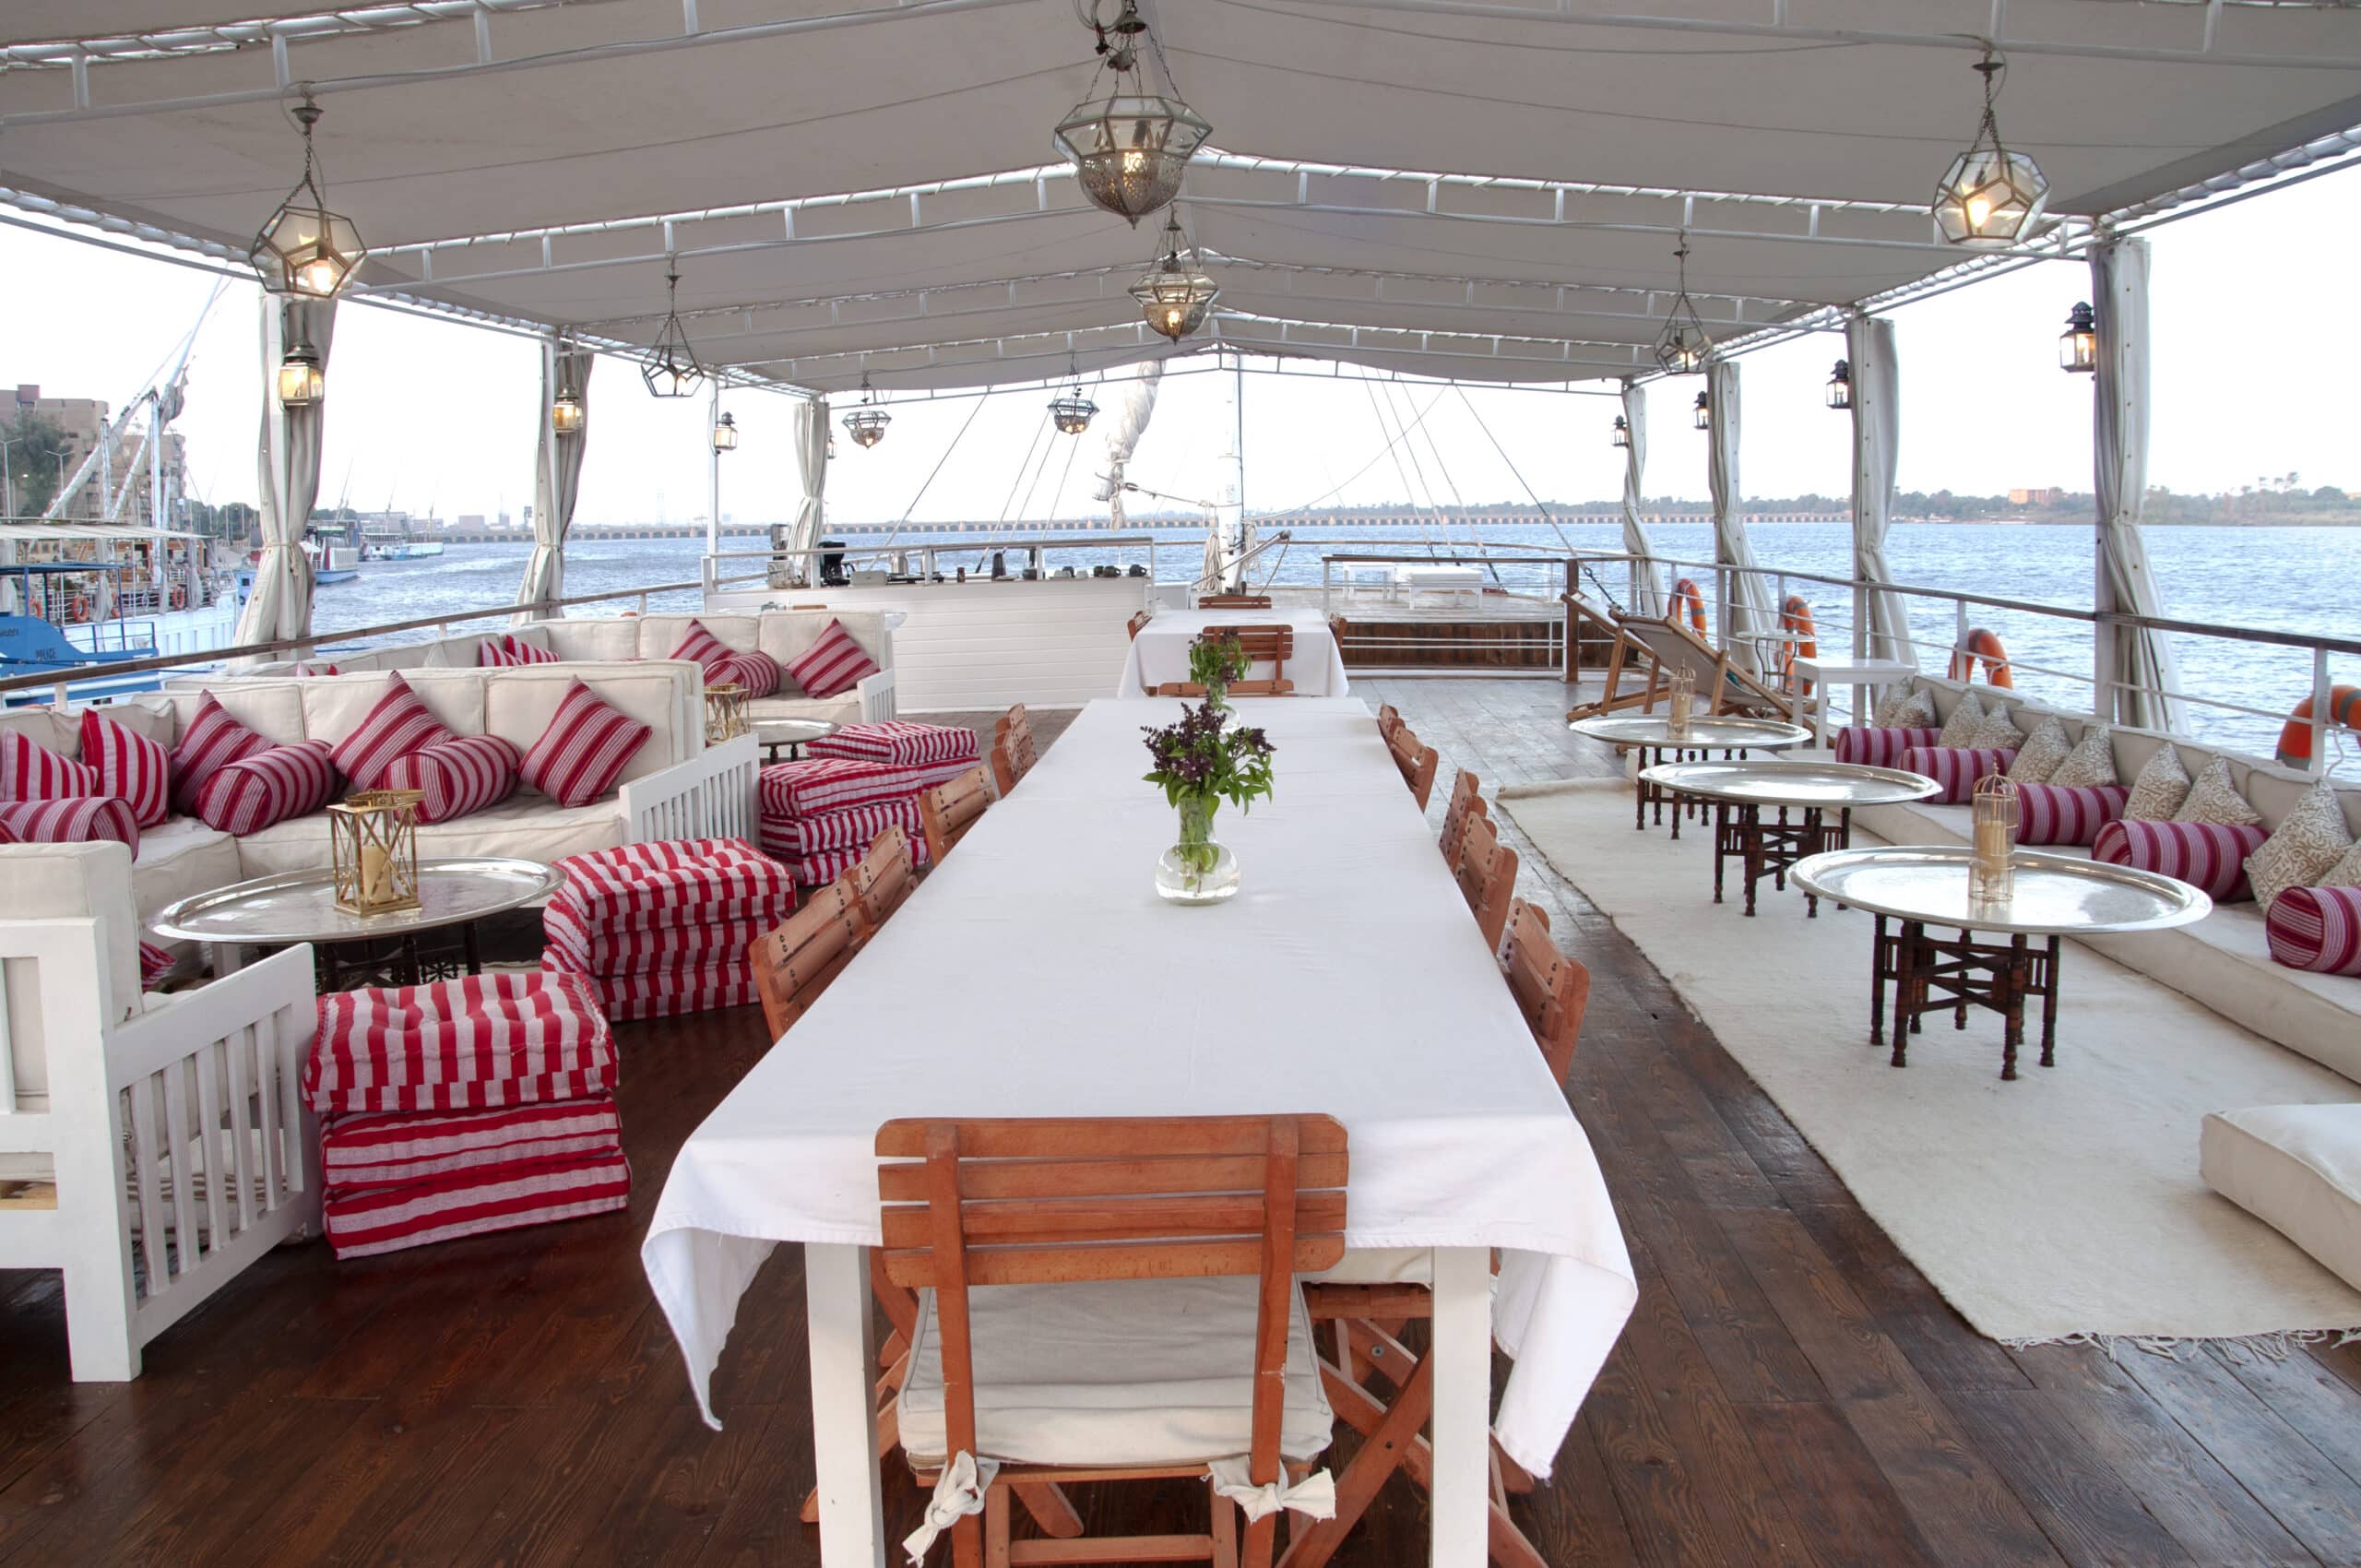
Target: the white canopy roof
pixel 1487 191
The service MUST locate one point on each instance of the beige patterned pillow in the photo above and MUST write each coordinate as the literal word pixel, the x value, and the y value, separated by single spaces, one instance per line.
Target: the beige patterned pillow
pixel 2042 752
pixel 1965 720
pixel 1999 732
pixel 2161 787
pixel 1916 711
pixel 2347 872
pixel 2214 798
pixel 1887 715
pixel 2090 764
pixel 2302 848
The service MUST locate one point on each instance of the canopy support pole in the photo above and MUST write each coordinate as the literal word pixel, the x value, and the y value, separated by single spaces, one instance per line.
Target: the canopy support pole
pixel 712 491
pixel 2136 674
pixel 1880 624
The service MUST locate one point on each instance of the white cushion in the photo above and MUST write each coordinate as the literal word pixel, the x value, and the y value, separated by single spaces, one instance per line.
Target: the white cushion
pixel 178 858
pixel 64 882
pixel 659 635
pixel 334 706
pixel 612 638
pixel 2296 1168
pixel 842 709
pixel 45 728
pixel 273 709
pixel 1122 1372
pixel 1381 1265
pixel 528 827
pixel 667 695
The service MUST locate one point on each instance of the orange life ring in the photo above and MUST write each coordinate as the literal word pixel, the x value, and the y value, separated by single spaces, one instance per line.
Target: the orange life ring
pixel 1984 648
pixel 180 597
pixel 1795 616
pixel 1685 589
pixel 78 609
pixel 2296 740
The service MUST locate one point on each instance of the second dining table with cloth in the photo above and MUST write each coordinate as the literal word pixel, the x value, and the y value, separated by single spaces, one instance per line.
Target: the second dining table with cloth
pixel 1161 652
pixel 1037 973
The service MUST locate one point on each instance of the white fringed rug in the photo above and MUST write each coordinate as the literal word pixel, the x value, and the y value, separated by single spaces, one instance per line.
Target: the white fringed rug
pixel 2064 1205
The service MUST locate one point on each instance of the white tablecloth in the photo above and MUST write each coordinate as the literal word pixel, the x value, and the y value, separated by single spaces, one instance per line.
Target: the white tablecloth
pixel 1037 973
pixel 1161 652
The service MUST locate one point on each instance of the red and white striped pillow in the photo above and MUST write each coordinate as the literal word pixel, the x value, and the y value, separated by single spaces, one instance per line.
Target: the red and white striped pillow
pixel 386 1147
pixel 272 786
pixel 901 743
pixel 1957 768
pixel 459 775
pixel 2063 813
pixel 1878 747
pixel 2210 855
pixel 76 819
pixel 212 740
pixel 155 963
pixel 29 771
pixel 512 1038
pixel 833 663
pixel 132 768
pixel 507 652
pixel 585 750
pixel 2316 929
pixel 758 673
pixel 399 724
pixel 364 1220
pixel 702 649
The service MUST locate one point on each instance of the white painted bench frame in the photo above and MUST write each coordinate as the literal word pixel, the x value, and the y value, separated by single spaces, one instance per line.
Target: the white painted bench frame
pixel 709 796
pixel 215 1076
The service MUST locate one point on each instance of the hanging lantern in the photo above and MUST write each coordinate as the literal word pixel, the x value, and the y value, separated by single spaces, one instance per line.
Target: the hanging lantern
pixel 567 414
pixel 302 380
pixel 305 248
pixel 672 369
pixel 1130 148
pixel 1840 385
pixel 1702 415
pixel 866 425
pixel 1072 413
pixel 373 850
pixel 2077 345
pixel 1989 196
pixel 1684 344
pixel 725 433
pixel 1622 437
pixel 1176 293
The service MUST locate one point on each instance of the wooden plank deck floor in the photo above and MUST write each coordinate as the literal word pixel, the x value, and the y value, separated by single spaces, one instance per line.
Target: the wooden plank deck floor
pixel 1789 1390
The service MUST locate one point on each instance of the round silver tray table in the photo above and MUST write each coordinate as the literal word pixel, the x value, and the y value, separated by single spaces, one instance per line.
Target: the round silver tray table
pixel 791 735
pixel 2054 896
pixel 1741 790
pixel 293 906
pixel 1651 736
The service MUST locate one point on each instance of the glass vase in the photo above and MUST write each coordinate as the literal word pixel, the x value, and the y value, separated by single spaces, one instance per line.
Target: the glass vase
pixel 1196 870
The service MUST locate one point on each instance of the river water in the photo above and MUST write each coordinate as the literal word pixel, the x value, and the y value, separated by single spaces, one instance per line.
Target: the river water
pixel 2304 580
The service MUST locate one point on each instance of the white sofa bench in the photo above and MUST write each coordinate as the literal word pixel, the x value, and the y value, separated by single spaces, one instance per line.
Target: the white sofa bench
pixel 2222 961
pixel 158 1146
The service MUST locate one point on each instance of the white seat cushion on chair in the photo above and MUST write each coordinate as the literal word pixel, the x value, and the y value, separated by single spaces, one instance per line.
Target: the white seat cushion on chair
pixel 1380 1265
pixel 2296 1168
pixel 1119 1372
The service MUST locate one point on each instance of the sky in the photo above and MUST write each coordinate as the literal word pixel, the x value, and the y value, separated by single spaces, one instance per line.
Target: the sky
pixel 429 415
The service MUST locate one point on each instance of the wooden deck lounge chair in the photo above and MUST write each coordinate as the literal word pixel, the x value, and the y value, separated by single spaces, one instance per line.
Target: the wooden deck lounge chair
pixel 1657 646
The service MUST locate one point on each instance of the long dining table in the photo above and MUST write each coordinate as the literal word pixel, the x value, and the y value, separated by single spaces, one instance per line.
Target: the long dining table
pixel 1037 973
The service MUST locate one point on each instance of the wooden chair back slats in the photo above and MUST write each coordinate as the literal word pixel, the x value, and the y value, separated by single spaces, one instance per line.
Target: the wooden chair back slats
pixel 1417 763
pixel 1551 989
pixel 1013 752
pixel 1136 621
pixel 1389 720
pixel 887 875
pixel 1466 800
pixel 1486 873
pixel 797 960
pixel 948 811
pixel 1233 601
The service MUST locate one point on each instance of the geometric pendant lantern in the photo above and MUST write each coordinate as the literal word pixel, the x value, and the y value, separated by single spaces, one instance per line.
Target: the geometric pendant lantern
pixel 1129 147
pixel 1989 197
pixel 1684 345
pixel 305 249
pixel 1176 293
pixel 671 368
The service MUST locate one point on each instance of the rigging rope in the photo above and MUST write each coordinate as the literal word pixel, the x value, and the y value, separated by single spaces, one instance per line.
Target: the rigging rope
pixel 1399 473
pixel 1540 504
pixel 1458 501
pixel 932 472
pixel 1362 469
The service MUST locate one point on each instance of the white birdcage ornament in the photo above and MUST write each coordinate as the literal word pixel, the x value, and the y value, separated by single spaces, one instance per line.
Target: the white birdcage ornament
pixel 373 850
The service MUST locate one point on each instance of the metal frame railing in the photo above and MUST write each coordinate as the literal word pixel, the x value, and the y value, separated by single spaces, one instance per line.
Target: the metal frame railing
pixel 929 552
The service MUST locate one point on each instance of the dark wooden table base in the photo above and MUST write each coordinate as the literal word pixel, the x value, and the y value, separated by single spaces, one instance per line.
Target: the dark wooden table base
pixel 1648 799
pixel 1768 848
pixel 398 960
pixel 1931 974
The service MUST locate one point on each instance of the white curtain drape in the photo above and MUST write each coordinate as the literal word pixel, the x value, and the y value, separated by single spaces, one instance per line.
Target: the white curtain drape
pixel 2142 660
pixel 812 463
pixel 557 477
pixel 1647 593
pixel 1877 428
pixel 1122 435
pixel 1751 614
pixel 287 476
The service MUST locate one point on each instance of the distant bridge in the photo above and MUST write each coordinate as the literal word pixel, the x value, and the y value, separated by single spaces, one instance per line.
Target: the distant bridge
pixel 1476 520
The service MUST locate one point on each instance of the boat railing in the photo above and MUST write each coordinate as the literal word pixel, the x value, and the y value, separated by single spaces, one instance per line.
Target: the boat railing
pixel 922 559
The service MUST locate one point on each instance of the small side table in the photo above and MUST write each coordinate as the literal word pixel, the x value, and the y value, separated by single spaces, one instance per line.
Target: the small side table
pixel 1814 790
pixel 1857 673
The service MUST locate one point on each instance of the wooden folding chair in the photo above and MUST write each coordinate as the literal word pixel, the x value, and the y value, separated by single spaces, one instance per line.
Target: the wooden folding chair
pixel 798 960
pixel 949 810
pixel 1664 645
pixel 885 876
pixel 1148 1227
pixel 1233 601
pixel 1273 645
pixel 1136 621
pixel 1013 752
pixel 1551 988
pixel 1466 803
pixel 1486 873
pixel 1389 720
pixel 1417 763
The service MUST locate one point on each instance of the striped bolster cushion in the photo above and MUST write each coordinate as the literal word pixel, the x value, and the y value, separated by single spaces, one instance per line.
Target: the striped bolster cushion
pixel 155 963
pixel 686 882
pixel 212 740
pixel 833 784
pixel 392 1146
pixel 899 741
pixel 272 786
pixel 470 1202
pixel 790 837
pixel 833 663
pixel 29 771
pixel 1881 748
pixel 2211 855
pixel 758 673
pixel 585 750
pixel 2316 929
pixel 469 1044
pixel 2063 814
pixel 132 768
pixel 85 819
pixel 605 954
pixel 461 775
pixel 1957 768
pixel 397 725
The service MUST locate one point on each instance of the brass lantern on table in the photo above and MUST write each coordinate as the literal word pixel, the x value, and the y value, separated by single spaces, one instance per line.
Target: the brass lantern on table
pixel 373 846
pixel 725 712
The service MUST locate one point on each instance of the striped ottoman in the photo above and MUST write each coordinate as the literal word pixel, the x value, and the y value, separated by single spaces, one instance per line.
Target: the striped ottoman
pixel 819 815
pixel 361 1221
pixel 900 743
pixel 817 849
pixel 663 929
pixel 479 1043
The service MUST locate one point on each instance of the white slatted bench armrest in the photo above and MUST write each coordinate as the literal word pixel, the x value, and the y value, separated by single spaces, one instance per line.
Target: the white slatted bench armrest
pixel 709 796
